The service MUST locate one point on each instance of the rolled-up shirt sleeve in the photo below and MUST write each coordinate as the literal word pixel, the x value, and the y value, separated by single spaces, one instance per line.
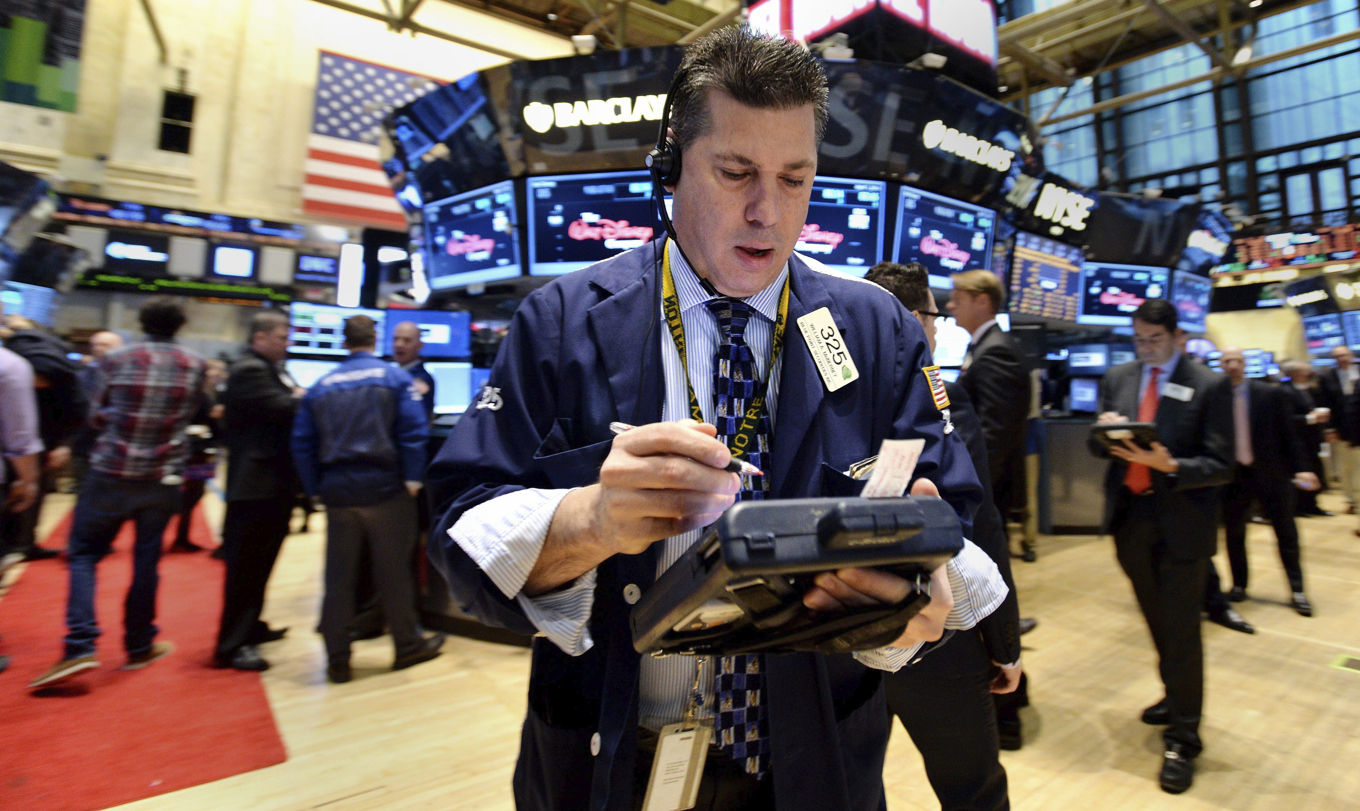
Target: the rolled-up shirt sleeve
pixel 978 590
pixel 18 409
pixel 504 537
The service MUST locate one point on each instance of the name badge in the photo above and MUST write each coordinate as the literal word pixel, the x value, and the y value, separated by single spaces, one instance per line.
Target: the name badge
pixel 1178 392
pixel 678 768
pixel 828 349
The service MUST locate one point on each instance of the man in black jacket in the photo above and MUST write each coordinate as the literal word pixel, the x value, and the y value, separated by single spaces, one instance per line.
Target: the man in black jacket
pixel 998 383
pixel 1269 454
pixel 260 403
pixel 1312 420
pixel 945 702
pixel 1335 388
pixel 1161 505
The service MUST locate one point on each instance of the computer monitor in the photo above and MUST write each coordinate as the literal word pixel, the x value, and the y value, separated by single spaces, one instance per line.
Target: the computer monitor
pixel 453 390
pixel 1110 293
pixel 444 334
pixel 1350 323
pixel 315 269
pixel 1258 361
pixel 951 342
pixel 306 372
pixel 1084 394
pixel 137 253
pixel 1088 360
pixel 1323 333
pixel 1191 294
pixel 37 304
pixel 948 236
pixel 952 375
pixel 578 220
pixel 1045 278
pixel 479 380
pixel 473 237
pixel 238 263
pixel 318 329
pixel 1122 353
pixel 844 228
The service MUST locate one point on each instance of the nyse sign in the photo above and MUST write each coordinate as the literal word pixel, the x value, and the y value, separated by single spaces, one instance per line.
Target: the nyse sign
pixel 1062 207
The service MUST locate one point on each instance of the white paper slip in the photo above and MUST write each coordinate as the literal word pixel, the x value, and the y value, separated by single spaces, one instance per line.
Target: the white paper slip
pixel 896 462
pixel 828 349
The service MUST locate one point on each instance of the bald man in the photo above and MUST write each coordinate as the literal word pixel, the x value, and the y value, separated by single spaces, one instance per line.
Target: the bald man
pixel 101 343
pixel 406 346
pixel 1271 463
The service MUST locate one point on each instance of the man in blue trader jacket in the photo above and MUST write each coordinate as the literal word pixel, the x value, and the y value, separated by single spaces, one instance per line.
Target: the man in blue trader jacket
pixel 547 524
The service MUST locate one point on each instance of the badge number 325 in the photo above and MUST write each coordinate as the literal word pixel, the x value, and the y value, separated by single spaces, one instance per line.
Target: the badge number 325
pixel 828 349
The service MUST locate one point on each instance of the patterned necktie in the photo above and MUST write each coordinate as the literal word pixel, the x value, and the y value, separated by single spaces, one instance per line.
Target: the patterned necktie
pixel 740 721
pixel 1139 477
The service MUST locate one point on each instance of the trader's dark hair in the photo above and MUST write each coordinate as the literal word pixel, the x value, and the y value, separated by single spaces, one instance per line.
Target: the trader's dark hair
pixel 266 321
pixel 909 282
pixel 360 332
pixel 757 70
pixel 1158 312
pixel 161 317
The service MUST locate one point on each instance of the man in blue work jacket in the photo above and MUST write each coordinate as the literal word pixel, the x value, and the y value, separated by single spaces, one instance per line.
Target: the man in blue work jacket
pixel 359 444
pixel 550 525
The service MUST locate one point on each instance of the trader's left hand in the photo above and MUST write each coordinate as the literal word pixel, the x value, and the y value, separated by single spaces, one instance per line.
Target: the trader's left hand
pixel 850 588
pixel 1158 458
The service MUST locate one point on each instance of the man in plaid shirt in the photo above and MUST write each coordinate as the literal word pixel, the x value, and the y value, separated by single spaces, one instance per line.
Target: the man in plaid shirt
pixel 150 392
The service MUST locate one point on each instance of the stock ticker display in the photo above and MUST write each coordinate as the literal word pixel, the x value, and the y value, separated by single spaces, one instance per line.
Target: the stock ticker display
pixel 947 236
pixel 578 220
pixel 1110 293
pixel 472 238
pixel 1323 333
pixel 844 227
pixel 1191 293
pixel 1045 278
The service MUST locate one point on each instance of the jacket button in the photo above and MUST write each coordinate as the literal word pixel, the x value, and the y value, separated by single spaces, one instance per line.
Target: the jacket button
pixel 595 744
pixel 631 593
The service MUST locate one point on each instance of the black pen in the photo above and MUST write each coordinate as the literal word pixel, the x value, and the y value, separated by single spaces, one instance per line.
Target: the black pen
pixel 737 466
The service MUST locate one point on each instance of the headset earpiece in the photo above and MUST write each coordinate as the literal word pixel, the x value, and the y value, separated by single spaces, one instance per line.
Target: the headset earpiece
pixel 664 161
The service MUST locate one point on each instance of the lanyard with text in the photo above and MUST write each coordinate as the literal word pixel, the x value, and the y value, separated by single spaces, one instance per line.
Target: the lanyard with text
pixel 670 304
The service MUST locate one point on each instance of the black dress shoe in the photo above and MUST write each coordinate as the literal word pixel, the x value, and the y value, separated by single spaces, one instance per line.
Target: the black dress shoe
pixel 339 673
pixel 1301 604
pixel 1028 624
pixel 1237 595
pixel 372 632
pixel 1178 771
pixel 427 651
pixel 1158 715
pixel 1008 735
pixel 260 637
pixel 1027 553
pixel 1229 618
pixel 186 546
pixel 244 658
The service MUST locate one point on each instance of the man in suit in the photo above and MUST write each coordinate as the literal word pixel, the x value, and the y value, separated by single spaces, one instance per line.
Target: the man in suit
pixel 549 524
pixel 406 346
pixel 1312 420
pixel 1335 387
pixel 260 402
pixel 998 383
pixel 945 702
pixel 1161 505
pixel 1271 463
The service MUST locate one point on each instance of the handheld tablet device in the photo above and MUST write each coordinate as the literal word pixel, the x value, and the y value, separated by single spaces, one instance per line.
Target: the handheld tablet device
pixel 1142 434
pixel 740 588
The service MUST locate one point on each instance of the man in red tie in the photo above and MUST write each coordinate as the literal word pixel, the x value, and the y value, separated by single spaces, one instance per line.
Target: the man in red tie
pixel 1161 506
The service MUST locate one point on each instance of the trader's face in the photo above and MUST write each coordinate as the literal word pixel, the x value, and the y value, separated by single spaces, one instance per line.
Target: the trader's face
pixel 406 343
pixel 1234 365
pixel 969 310
pixel 1343 356
pixel 743 193
pixel 102 343
pixel 272 344
pixel 1153 342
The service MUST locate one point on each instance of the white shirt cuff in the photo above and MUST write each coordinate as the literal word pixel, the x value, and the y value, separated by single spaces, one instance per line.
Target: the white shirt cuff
pixel 977 586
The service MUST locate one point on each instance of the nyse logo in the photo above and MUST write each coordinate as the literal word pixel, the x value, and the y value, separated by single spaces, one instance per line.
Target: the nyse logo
pixel 1066 208
pixel 541 117
pixel 936 135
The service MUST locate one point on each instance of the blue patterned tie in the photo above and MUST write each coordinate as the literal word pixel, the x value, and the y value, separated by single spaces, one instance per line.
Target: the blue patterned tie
pixel 740 722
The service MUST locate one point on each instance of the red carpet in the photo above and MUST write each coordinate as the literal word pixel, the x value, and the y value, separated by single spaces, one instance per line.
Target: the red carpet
pixel 115 736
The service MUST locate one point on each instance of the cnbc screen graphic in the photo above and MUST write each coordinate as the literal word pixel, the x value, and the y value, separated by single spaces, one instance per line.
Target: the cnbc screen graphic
pixel 472 237
pixel 844 228
pixel 578 220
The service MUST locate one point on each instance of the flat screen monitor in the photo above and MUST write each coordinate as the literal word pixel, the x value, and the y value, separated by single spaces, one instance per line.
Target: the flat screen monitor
pixel 473 237
pixel 948 236
pixel 452 386
pixel 1110 293
pixel 235 262
pixel 479 380
pixel 1191 294
pixel 306 372
pixel 1258 361
pixel 37 304
pixel 1045 278
pixel 1088 360
pixel 314 269
pixel 951 342
pixel 578 220
pixel 1084 394
pixel 444 334
pixel 137 253
pixel 844 228
pixel 1323 333
pixel 318 329
pixel 1122 353
pixel 952 375
pixel 1350 322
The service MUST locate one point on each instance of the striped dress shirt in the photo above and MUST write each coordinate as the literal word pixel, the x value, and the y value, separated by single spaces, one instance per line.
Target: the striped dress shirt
pixel 505 535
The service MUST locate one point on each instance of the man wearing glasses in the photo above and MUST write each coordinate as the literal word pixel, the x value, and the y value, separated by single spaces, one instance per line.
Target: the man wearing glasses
pixel 1161 505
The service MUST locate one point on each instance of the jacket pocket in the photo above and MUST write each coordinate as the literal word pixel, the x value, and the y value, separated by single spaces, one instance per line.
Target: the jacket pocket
pixel 565 466
pixel 836 483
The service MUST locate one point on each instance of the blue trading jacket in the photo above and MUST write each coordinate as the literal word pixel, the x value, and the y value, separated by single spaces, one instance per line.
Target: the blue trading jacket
pixel 360 434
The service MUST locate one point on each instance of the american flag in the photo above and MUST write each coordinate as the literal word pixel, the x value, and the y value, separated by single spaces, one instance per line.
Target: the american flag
pixel 344 179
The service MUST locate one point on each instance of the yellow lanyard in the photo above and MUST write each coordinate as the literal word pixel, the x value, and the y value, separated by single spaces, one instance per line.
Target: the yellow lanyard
pixel 743 441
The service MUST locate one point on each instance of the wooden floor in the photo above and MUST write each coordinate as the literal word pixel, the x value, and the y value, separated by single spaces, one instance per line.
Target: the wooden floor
pixel 1282 723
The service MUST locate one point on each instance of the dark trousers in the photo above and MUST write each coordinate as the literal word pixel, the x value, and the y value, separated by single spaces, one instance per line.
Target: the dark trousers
pixel 946 706
pixel 1215 601
pixel 1276 497
pixel 105 503
pixel 252 533
pixel 19 531
pixel 189 498
pixel 388 530
pixel 1170 591
pixel 725 785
